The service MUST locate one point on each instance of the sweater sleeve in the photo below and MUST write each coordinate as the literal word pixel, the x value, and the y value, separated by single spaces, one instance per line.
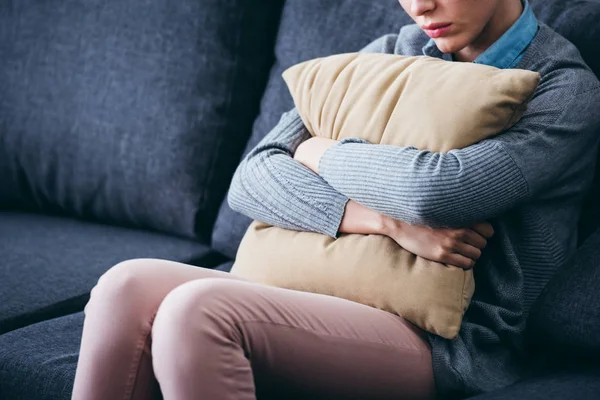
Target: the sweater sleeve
pixel 272 187
pixel 546 154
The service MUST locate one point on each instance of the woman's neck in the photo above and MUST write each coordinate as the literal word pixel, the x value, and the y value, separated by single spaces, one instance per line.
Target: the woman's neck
pixel 507 13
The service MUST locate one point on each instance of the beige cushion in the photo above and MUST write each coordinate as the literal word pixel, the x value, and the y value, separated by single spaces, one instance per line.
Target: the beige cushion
pixel 404 101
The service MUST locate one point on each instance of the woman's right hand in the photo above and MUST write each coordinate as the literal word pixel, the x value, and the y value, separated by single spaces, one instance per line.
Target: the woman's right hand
pixel 458 247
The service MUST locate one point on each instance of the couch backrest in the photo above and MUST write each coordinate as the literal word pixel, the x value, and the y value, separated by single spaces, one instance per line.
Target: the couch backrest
pixel 577 20
pixel 134 112
pixel 313 28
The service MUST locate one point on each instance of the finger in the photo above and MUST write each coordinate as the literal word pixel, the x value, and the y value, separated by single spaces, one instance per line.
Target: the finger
pixel 468 251
pixel 473 238
pixel 485 229
pixel 459 261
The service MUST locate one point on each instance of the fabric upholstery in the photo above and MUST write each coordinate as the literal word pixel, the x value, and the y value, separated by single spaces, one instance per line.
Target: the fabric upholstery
pixel 558 383
pixel 39 362
pixel 130 112
pixel 386 99
pixel 48 265
pixel 308 29
pixel 226 266
pixel 577 20
pixel 590 216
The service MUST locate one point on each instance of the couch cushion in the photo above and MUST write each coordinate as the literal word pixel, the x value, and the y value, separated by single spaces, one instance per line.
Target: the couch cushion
pixel 38 362
pixel 308 29
pixel 135 111
pixel 48 265
pixel 314 28
pixel 581 383
pixel 226 266
pixel 577 20
pixel 566 316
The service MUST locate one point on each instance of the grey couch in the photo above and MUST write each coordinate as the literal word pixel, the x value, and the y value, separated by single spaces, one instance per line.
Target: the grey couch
pixel 121 124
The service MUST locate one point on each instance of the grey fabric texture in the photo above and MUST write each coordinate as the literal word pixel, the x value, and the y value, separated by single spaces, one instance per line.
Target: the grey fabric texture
pixel 308 29
pixel 130 112
pixel 225 267
pixel 566 317
pixel 572 383
pixel 590 216
pixel 577 20
pixel 39 362
pixel 529 182
pixel 48 265
pixel 270 186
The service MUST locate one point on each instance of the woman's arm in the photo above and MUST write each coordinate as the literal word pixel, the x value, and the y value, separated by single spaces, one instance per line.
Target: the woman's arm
pixel 425 188
pixel 273 187
pixel 458 247
pixel 270 186
pixel 550 152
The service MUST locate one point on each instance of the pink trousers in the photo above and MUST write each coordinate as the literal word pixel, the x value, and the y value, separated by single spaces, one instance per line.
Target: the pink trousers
pixel 155 327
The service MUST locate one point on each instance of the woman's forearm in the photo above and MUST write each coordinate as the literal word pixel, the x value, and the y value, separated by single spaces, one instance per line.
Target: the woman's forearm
pixel 272 187
pixel 458 247
pixel 360 219
pixel 453 189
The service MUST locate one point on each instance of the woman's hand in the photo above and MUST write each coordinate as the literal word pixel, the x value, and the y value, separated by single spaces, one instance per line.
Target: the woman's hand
pixel 458 247
pixel 310 151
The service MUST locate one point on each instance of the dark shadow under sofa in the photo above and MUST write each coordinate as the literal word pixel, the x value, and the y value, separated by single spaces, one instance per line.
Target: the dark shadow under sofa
pixel 121 124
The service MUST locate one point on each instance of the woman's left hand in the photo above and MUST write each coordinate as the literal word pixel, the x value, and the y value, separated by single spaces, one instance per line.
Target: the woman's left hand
pixel 309 152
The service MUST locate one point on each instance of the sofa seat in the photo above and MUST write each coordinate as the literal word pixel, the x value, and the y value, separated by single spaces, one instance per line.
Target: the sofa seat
pixel 555 383
pixel 38 362
pixel 49 264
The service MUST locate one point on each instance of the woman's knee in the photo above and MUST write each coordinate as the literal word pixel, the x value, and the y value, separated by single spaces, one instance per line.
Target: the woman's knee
pixel 127 274
pixel 200 306
pixel 125 282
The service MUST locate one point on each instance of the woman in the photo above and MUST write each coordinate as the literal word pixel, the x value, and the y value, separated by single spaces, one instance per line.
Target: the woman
pixel 156 326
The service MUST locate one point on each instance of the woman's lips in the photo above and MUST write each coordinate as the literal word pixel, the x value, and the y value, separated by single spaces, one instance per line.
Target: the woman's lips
pixel 436 31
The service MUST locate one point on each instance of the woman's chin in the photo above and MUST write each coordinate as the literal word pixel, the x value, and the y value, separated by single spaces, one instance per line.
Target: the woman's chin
pixel 446 45
pixel 449 45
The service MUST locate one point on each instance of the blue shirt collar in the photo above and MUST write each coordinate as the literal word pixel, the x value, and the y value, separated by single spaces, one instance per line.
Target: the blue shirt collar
pixel 507 51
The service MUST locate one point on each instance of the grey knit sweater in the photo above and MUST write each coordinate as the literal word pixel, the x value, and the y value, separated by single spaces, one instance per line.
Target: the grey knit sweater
pixel 528 182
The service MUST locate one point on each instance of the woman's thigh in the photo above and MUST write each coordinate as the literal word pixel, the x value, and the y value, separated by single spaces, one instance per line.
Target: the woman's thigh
pixel 306 344
pixel 115 360
pixel 147 281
